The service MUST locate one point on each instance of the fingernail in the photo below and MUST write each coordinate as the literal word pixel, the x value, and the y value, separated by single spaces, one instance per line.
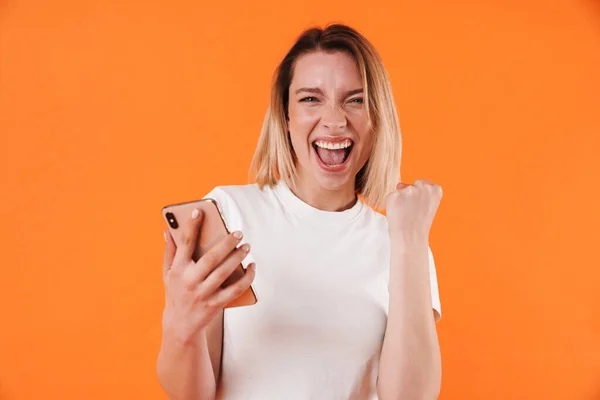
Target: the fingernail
pixel 237 234
pixel 253 267
pixel 246 247
pixel 165 235
pixel 195 213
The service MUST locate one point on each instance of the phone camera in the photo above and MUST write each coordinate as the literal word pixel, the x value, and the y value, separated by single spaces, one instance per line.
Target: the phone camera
pixel 172 220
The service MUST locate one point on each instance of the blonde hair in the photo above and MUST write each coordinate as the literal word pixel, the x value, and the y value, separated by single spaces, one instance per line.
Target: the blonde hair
pixel 274 158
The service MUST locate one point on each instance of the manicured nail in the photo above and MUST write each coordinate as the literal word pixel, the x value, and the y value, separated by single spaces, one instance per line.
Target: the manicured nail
pixel 195 213
pixel 237 234
pixel 253 267
pixel 246 247
pixel 165 235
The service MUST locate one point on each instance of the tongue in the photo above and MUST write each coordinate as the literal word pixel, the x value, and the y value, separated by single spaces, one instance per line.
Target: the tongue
pixel 331 157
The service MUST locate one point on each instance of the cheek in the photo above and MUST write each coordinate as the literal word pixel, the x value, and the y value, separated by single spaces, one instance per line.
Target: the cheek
pixel 365 134
pixel 298 131
pixel 360 124
pixel 301 121
pixel 299 143
pixel 366 148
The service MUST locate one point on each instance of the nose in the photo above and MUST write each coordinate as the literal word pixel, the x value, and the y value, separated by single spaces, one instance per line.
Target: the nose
pixel 334 118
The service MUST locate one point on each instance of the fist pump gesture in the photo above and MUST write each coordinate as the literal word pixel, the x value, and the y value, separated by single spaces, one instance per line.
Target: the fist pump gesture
pixel 193 292
pixel 410 209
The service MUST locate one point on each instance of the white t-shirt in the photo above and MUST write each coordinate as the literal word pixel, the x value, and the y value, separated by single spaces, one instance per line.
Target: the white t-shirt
pixel 321 281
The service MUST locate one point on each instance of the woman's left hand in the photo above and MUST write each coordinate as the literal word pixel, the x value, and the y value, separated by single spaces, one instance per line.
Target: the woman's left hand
pixel 410 209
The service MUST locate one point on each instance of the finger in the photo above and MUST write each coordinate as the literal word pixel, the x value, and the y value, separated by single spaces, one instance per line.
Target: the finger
pixel 435 188
pixel 189 238
pixel 423 182
pixel 232 292
pixel 404 189
pixel 169 252
pixel 211 259
pixel 216 278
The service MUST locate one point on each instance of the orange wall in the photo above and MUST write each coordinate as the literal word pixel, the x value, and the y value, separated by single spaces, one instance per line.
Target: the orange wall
pixel 109 110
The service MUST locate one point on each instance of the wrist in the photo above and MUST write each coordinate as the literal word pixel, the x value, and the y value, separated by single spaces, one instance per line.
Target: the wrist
pixel 182 335
pixel 408 240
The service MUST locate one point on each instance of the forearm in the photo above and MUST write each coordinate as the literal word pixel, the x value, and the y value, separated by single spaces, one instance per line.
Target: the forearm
pixel 410 364
pixel 184 368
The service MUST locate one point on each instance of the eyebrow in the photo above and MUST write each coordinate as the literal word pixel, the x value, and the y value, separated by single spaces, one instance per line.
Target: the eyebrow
pixel 319 91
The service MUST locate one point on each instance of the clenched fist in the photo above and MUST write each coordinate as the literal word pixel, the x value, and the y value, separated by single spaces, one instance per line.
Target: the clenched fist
pixel 410 209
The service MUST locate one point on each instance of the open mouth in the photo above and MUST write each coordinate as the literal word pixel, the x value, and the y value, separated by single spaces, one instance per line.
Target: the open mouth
pixel 333 154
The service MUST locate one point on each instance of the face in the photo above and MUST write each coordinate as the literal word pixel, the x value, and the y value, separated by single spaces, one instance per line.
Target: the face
pixel 328 121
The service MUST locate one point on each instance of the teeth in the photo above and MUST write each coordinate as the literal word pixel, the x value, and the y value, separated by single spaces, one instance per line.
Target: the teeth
pixel 334 146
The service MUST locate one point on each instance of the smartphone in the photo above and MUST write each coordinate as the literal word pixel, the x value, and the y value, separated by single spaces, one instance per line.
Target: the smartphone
pixel 212 230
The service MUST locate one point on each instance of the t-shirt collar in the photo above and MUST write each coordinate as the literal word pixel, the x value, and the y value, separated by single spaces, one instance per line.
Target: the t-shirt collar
pixel 300 208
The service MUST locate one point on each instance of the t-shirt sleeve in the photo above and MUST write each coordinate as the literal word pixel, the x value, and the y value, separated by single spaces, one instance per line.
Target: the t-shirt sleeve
pixel 435 294
pixel 223 201
pixel 231 214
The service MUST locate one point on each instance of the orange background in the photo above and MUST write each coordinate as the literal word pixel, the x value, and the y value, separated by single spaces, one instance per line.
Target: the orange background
pixel 109 110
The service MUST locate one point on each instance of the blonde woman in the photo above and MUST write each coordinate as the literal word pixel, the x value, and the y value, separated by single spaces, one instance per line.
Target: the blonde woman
pixel 348 297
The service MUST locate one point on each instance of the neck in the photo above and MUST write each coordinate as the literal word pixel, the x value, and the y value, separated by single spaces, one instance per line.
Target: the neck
pixel 312 193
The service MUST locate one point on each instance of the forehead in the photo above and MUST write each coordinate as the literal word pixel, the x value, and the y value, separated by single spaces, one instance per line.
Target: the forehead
pixel 331 69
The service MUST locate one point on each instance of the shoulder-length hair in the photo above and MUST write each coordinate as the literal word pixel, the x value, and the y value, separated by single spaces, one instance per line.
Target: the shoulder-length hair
pixel 274 157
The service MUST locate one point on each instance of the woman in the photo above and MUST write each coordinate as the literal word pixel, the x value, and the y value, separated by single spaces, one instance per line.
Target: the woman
pixel 347 297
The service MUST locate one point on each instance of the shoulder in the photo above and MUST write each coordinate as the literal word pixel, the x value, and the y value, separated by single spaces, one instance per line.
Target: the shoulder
pixel 375 220
pixel 237 193
pixel 239 202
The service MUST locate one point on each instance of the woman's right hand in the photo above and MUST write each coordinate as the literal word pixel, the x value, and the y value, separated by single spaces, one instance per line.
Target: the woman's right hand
pixel 193 292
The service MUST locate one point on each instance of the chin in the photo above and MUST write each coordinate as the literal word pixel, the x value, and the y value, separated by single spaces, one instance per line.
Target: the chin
pixel 333 182
pixel 343 180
